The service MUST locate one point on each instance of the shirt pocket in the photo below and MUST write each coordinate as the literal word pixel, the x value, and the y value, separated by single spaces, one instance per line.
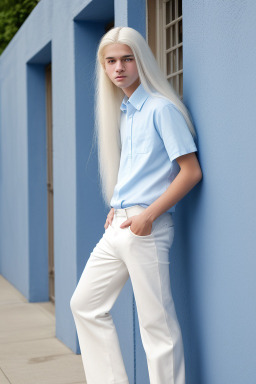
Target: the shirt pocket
pixel 140 140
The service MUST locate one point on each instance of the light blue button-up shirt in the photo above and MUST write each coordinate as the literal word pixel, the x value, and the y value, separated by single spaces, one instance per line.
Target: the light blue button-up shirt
pixel 153 134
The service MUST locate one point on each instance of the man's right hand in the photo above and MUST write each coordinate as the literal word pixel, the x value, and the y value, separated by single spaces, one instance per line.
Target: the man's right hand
pixel 110 217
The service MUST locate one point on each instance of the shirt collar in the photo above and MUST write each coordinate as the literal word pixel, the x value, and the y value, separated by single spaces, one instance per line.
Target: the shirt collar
pixel 137 98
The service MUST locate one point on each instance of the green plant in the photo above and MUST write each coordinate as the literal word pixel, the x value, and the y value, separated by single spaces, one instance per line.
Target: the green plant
pixel 13 13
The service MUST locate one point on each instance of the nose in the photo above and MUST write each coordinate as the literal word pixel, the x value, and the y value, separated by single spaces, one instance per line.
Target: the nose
pixel 119 65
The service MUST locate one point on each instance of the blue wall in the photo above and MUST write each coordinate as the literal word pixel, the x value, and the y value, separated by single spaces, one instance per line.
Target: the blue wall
pixel 213 256
pixel 65 34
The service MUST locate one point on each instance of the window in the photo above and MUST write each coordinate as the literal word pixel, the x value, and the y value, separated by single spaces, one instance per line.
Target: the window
pixel 164 32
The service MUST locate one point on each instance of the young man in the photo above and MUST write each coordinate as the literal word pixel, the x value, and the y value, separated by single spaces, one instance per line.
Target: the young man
pixel 147 164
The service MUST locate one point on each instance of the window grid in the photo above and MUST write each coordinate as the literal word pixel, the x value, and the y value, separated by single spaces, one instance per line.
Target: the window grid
pixel 172 42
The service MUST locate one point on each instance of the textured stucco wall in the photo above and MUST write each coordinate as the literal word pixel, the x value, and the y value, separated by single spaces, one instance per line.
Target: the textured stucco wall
pixel 214 254
pixel 65 34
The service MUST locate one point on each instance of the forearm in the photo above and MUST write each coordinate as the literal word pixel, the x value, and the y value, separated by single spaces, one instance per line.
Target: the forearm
pixel 181 185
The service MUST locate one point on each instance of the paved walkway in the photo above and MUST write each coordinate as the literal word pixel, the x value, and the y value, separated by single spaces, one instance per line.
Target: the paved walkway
pixel 29 351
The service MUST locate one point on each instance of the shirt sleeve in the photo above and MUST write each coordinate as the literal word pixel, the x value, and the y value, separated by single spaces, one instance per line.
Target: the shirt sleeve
pixel 173 130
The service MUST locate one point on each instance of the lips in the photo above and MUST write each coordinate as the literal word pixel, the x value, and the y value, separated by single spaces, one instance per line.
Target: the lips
pixel 120 77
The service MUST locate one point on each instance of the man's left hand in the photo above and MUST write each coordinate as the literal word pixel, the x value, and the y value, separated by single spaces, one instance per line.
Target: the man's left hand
pixel 139 225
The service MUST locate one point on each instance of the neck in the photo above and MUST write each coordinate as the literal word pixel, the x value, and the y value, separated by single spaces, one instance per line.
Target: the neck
pixel 129 90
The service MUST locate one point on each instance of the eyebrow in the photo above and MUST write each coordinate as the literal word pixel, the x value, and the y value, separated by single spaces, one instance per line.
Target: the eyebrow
pixel 121 57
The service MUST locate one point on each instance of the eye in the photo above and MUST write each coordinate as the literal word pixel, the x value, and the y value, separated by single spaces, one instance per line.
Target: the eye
pixel 110 61
pixel 128 59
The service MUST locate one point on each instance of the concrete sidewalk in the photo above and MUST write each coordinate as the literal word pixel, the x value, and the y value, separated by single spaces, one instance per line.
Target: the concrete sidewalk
pixel 29 351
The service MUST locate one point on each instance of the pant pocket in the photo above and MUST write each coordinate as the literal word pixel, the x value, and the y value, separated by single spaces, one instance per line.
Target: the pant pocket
pixel 140 236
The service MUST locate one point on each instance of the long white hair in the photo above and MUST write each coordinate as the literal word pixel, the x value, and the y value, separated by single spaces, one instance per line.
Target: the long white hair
pixel 108 100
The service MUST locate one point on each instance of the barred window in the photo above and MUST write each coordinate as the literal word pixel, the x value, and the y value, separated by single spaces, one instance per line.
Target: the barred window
pixel 164 33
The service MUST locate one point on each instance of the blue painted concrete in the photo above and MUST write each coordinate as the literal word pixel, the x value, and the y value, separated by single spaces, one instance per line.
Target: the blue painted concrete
pixel 212 259
pixel 67 38
pixel 214 254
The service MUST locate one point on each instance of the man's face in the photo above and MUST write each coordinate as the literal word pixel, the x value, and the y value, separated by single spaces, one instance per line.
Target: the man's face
pixel 121 68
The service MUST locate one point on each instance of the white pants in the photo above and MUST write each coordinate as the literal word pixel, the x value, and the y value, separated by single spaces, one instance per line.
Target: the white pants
pixel 120 253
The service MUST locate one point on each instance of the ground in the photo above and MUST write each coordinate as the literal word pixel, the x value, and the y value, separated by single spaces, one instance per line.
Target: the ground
pixel 29 351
